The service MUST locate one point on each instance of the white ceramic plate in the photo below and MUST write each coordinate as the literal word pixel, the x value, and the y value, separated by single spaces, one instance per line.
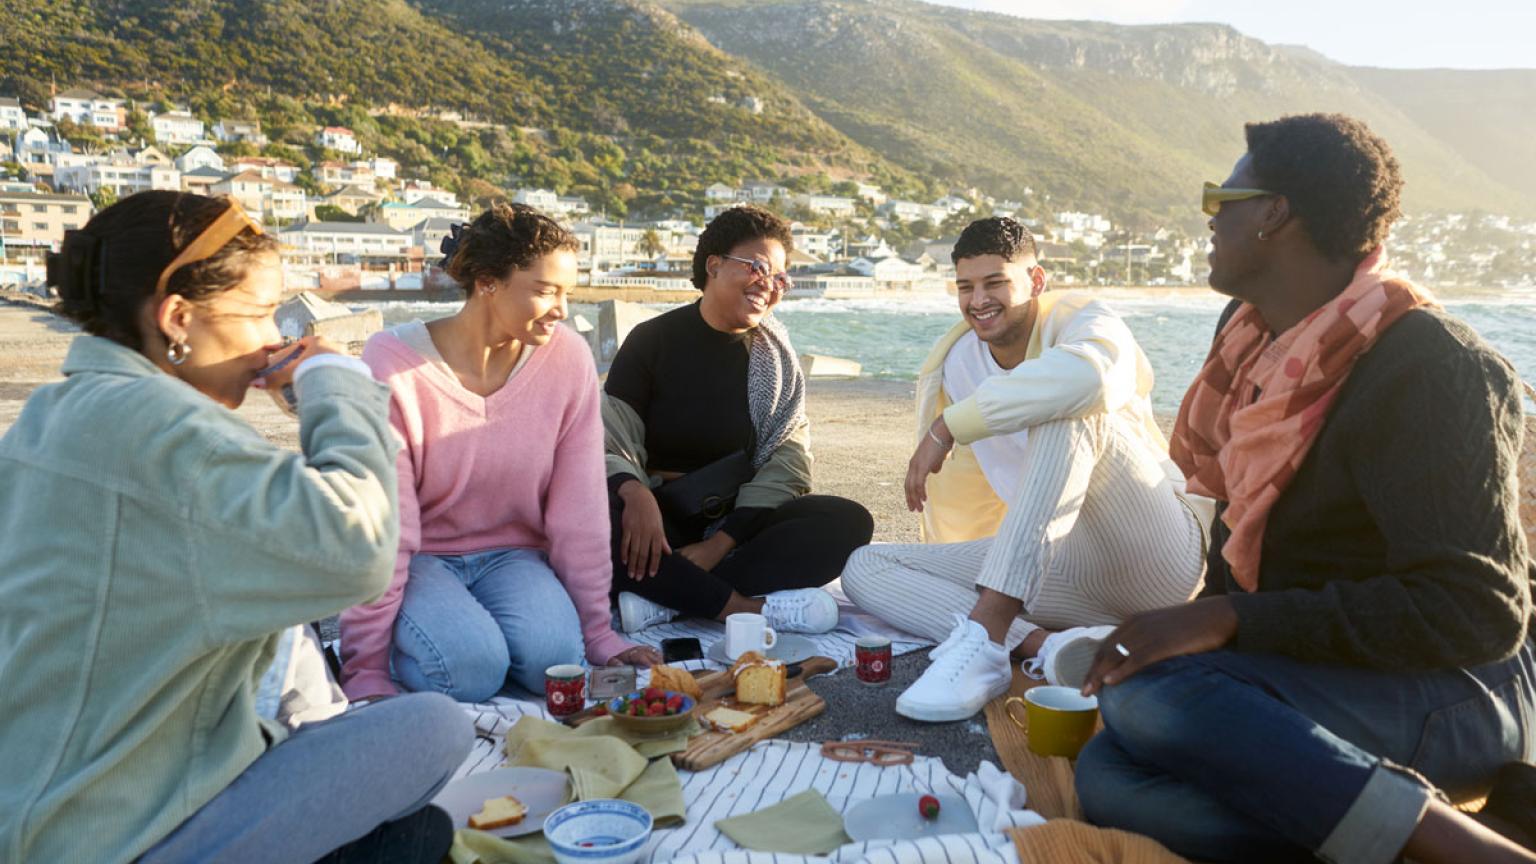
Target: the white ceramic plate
pixel 542 791
pixel 791 648
pixel 895 817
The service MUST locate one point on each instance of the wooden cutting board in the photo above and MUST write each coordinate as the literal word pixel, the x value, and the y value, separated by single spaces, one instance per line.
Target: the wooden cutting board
pixel 712 748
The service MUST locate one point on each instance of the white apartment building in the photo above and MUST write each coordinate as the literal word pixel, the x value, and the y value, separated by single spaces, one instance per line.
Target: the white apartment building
pixel 830 205
pixel 176 127
pixel 345 242
pixel 541 199
pixel 12 117
pixel 89 108
pixel 338 138
pixel 122 175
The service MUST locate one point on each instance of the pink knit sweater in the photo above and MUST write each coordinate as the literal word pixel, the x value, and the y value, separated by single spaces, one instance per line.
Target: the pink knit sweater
pixel 522 467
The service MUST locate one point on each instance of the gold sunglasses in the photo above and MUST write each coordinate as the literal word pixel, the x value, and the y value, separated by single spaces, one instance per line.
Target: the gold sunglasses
pixel 223 229
pixel 1216 195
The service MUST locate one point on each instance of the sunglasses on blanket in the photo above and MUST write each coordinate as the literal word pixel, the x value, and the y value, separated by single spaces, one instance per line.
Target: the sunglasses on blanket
pixel 1216 195
pixel 760 270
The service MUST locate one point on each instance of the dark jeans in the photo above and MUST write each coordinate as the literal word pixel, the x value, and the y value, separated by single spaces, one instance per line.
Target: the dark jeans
pixel 1228 756
pixel 801 544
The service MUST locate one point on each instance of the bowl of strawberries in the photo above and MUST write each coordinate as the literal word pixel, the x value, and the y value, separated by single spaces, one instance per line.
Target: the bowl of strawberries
pixel 650 711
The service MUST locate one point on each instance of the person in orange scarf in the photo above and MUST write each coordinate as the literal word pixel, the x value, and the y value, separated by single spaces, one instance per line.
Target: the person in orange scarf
pixel 1362 651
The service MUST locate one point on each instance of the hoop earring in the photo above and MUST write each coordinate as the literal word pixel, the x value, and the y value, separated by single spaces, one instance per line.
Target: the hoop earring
pixel 177 353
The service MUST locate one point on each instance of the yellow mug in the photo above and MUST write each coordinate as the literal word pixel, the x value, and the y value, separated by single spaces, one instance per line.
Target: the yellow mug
pixel 1058 720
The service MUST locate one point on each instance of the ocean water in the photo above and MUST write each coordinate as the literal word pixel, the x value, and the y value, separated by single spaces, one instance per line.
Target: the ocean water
pixel 890 337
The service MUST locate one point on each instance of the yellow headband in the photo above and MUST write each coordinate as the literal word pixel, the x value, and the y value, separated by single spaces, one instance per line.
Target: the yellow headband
pixel 225 228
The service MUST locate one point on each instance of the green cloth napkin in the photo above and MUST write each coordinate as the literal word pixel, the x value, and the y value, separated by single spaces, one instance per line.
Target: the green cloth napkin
pixel 648 746
pixel 601 766
pixel 803 825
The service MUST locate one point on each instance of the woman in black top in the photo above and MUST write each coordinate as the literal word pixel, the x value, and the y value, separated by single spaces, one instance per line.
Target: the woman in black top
pixel 708 451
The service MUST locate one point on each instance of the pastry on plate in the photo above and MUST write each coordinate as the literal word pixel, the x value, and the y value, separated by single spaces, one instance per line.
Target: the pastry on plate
pixel 498 813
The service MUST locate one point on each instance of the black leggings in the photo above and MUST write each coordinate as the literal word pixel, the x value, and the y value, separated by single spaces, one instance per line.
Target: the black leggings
pixel 802 544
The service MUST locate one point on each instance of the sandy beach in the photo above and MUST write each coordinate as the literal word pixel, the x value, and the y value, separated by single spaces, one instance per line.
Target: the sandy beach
pixel 860 429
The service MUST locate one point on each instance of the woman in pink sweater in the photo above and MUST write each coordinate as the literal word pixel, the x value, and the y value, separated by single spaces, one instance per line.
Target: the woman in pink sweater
pixel 503 566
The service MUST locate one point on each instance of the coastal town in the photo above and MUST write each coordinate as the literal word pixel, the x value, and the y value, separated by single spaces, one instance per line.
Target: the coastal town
pixel 359 224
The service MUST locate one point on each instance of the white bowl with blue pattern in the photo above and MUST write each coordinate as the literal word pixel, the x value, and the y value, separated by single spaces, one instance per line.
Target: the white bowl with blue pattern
pixel 602 831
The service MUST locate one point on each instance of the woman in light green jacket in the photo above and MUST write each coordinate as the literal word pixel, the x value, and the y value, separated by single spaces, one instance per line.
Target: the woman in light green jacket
pixel 152 548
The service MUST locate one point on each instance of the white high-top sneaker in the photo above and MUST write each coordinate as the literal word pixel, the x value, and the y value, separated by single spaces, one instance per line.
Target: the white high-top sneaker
pixel 800 610
pixel 969 670
pixel 637 613
pixel 1066 657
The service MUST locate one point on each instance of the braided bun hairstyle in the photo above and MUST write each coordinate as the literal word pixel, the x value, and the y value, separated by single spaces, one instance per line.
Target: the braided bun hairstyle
pixel 105 272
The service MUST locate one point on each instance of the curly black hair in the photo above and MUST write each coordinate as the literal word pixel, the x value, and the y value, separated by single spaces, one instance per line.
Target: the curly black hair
pixel 1340 178
pixel 995 235
pixel 504 238
pixel 732 228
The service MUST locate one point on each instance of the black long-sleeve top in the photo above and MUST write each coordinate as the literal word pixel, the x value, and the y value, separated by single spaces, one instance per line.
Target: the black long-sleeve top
pixel 1398 544
pixel 688 383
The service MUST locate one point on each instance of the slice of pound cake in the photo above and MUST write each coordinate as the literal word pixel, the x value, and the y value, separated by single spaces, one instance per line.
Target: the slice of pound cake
pixel 498 813
pixel 759 681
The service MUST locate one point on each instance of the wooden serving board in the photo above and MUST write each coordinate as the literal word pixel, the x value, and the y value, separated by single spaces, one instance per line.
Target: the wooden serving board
pixel 800 704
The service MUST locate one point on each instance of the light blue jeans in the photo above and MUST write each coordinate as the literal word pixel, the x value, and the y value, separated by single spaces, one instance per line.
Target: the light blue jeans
pixel 1229 756
pixel 470 622
pixel 328 784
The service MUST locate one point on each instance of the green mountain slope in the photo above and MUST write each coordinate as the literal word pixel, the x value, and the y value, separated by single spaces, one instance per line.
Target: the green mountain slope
pixel 1100 114
pixel 659 107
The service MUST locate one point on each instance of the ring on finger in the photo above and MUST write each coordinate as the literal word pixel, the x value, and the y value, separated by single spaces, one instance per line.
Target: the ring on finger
pixel 1122 650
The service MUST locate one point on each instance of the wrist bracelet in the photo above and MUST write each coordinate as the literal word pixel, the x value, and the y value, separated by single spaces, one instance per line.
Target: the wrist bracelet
pixel 936 439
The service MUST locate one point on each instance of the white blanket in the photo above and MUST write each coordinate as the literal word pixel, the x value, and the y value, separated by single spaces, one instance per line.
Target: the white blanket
pixel 775 770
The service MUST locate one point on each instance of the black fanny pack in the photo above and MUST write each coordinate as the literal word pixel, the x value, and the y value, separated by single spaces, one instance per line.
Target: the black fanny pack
pixel 708 492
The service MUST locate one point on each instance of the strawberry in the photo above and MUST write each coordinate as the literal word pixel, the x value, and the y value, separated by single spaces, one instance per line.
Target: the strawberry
pixel 928 806
pixel 675 702
pixel 635 709
pixel 651 694
pixel 656 709
pixel 600 711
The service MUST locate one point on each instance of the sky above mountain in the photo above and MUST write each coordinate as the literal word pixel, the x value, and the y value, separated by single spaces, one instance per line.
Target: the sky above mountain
pixel 1417 34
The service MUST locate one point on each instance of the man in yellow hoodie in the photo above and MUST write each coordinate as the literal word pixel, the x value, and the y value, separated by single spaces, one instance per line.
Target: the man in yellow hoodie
pixel 1050 510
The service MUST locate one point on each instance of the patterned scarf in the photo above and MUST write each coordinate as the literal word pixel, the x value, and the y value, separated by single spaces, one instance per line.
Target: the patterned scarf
pixel 1244 448
pixel 775 388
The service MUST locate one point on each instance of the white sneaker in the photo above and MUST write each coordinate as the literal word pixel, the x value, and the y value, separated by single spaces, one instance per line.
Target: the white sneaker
pixel 1066 657
pixel 969 670
pixel 637 613
pixel 802 610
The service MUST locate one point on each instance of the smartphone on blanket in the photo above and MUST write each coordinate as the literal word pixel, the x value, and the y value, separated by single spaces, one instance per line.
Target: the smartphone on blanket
pixel 678 650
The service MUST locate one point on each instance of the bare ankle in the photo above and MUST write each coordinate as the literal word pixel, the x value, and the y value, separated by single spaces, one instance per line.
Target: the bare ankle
pixel 1030 647
pixel 738 604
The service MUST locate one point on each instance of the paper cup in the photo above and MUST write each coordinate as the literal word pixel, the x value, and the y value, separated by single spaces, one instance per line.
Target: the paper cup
pixel 1058 720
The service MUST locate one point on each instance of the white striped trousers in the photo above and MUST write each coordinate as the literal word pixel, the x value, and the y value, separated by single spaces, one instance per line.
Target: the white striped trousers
pixel 1097 534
